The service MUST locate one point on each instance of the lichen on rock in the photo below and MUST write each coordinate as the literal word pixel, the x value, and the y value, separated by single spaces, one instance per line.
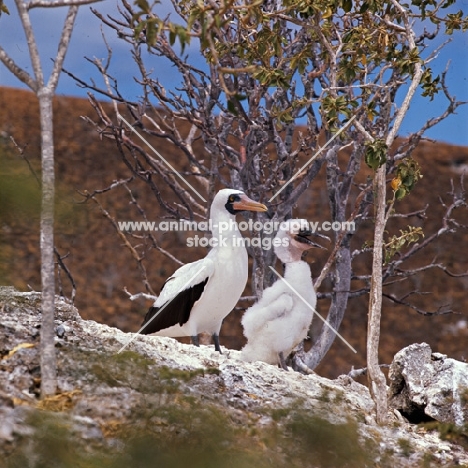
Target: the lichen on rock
pixel 163 402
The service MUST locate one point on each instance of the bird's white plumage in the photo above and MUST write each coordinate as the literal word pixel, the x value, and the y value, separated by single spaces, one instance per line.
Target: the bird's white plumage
pixel 225 270
pixel 185 277
pixel 226 281
pixel 280 320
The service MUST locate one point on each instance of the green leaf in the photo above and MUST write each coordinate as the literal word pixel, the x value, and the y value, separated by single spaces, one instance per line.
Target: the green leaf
pixel 184 39
pixel 409 173
pixel 151 33
pixel 347 5
pixel 172 37
pixel 3 9
pixel 376 153
pixel 241 97
pixel 448 3
pixel 194 16
pixel 400 193
pixel 396 243
pixel 143 5
pixel 232 107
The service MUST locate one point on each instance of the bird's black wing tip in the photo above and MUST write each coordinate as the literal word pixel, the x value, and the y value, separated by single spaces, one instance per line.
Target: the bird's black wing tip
pixel 146 330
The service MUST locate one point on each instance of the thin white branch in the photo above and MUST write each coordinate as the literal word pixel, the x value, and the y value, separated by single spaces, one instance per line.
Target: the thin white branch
pixel 397 27
pixel 103 69
pixel 435 53
pixel 32 45
pixel 361 128
pixel 315 156
pixel 143 295
pixel 21 74
pixel 59 3
pixel 63 46
pixel 418 72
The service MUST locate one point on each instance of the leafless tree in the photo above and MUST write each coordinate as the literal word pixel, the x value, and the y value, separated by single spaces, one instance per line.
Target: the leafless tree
pixel 267 66
pixel 45 91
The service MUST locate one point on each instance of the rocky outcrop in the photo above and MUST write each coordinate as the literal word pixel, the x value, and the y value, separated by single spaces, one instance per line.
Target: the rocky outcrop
pixel 160 401
pixel 429 386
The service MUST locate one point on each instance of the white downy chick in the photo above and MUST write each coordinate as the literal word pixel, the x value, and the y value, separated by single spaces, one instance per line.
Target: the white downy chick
pixel 280 320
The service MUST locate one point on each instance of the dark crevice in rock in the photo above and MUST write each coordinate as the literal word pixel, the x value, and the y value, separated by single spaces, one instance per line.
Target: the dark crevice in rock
pixel 416 415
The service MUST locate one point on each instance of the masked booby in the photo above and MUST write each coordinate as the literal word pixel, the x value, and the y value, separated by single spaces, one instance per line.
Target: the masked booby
pixel 199 295
pixel 280 320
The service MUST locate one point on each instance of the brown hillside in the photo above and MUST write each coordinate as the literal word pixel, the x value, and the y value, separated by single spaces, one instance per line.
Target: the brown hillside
pixel 102 267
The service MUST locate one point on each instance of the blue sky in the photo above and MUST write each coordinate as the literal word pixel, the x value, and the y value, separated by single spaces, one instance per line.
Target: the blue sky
pixel 87 42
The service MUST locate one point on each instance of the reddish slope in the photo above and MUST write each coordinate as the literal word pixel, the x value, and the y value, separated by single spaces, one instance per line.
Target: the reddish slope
pixel 102 266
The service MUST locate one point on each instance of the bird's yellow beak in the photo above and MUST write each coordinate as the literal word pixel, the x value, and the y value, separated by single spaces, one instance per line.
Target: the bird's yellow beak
pixel 246 204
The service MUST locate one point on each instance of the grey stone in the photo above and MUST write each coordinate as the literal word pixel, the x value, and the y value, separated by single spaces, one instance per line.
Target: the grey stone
pixel 426 385
pixel 61 331
pixel 103 393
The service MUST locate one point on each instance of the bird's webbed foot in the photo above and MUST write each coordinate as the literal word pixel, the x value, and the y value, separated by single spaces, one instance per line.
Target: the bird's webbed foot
pixel 195 340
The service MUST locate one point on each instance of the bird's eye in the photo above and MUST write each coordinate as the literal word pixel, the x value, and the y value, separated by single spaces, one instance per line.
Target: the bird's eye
pixel 232 199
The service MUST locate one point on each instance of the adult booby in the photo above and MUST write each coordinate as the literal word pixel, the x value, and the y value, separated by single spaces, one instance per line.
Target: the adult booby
pixel 280 320
pixel 199 295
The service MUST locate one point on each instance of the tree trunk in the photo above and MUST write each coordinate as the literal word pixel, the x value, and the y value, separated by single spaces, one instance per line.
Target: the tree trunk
pixel 377 383
pixel 48 358
pixel 342 285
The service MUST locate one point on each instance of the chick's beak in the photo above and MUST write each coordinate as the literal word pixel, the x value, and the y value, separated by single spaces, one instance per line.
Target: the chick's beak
pixel 246 204
pixel 304 238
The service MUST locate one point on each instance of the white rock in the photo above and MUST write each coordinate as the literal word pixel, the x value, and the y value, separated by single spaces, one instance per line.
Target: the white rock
pixel 427 384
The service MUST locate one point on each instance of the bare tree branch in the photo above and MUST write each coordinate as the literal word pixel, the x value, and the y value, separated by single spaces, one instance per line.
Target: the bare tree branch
pixel 135 255
pixel 417 74
pixel 58 3
pixel 64 267
pixel 32 45
pixel 21 74
pixel 355 373
pixel 63 46
pixel 442 310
